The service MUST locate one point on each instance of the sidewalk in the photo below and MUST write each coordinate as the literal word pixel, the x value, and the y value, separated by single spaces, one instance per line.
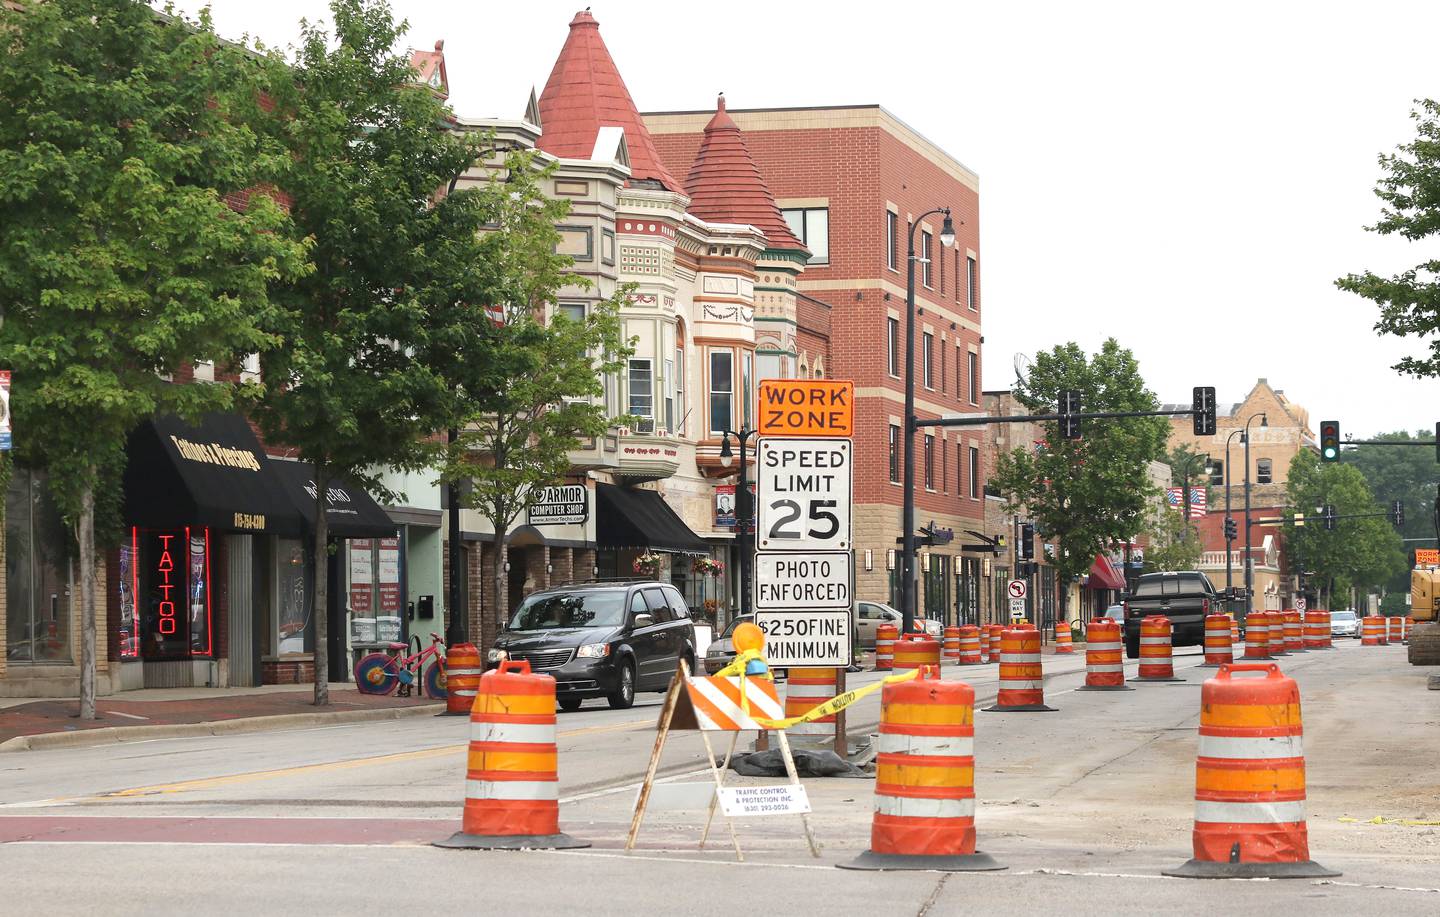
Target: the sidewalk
pixel 28 723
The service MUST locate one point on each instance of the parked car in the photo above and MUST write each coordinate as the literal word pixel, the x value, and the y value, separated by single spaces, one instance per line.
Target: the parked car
pixel 1344 624
pixel 1114 613
pixel 605 640
pixel 870 615
pixel 722 648
pixel 1185 597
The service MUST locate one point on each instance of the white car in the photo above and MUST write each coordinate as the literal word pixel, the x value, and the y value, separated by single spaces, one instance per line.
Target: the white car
pixel 870 615
pixel 1344 624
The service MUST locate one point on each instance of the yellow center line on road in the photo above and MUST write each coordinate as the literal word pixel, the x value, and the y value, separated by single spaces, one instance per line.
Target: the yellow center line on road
pixel 204 783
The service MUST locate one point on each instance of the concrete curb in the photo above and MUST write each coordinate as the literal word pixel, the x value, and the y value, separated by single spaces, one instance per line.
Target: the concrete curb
pixel 115 735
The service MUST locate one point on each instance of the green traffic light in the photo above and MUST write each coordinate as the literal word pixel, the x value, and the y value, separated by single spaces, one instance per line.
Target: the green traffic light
pixel 1329 453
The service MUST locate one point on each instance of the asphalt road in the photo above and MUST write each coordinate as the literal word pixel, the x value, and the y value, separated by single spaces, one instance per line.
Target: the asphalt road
pixel 1084 806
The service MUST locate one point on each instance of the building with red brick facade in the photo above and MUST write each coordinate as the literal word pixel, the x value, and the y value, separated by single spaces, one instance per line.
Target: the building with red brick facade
pixel 850 180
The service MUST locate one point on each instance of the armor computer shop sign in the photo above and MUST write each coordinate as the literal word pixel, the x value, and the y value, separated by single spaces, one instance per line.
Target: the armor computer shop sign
pixel 567 504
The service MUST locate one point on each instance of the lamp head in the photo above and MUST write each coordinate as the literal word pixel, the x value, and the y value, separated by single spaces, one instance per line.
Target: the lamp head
pixel 726 456
pixel 947 231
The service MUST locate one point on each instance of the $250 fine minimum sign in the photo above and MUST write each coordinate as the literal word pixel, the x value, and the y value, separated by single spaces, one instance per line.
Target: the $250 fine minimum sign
pixel 806 638
pixel 804 488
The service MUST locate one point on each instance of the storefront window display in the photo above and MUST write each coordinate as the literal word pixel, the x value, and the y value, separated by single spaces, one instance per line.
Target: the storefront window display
pixel 292 598
pixel 373 590
pixel 165 605
pixel 38 573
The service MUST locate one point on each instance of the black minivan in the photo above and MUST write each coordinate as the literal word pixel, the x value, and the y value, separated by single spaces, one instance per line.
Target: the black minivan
pixel 605 640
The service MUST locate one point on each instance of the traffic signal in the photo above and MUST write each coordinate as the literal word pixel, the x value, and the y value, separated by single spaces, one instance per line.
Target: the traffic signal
pixel 1069 407
pixel 1027 541
pixel 1397 514
pixel 1328 513
pixel 1230 531
pixel 1203 407
pixel 1329 440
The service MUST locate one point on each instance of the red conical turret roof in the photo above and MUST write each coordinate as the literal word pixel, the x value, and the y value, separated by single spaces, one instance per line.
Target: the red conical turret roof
pixel 725 185
pixel 585 93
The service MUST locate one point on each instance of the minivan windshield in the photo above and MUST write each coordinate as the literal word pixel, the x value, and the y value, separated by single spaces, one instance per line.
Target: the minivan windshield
pixel 602 608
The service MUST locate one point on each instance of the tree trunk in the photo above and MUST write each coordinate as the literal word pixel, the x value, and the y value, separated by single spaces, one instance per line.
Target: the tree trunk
pixel 495 620
pixel 321 609
pixel 86 537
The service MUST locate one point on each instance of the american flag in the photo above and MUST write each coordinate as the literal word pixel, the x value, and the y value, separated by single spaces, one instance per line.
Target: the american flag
pixel 1199 500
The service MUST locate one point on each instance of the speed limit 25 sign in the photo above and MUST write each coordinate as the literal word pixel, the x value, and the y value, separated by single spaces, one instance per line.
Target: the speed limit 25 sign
pixel 804 489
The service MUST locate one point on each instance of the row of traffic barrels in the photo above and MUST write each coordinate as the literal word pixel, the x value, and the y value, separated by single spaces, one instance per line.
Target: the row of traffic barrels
pixel 968 644
pixel 1379 631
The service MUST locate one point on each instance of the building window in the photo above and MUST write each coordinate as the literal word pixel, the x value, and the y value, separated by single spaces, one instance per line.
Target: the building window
pixel 39 573
pixel 204 370
pixel 642 393
pixel 958 282
pixel 927 355
pixel 892 345
pixel 670 396
pixel 572 311
pixel 929 462
pixel 722 390
pixel 925 239
pixel 680 412
pixel 944 468
pixel 294 625
pixel 974 377
pixel 941 261
pixel 974 473
pixel 747 386
pixel 892 240
pixel 894 454
pixel 373 590
pixel 1217 472
pixel 959 468
pixel 940 358
pixel 972 299
pixel 1262 471
pixel 811 225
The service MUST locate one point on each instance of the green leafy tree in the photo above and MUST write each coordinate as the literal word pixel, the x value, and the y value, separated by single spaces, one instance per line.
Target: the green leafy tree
pixel 369 162
pixel 121 133
pixel 1410 191
pixel 1088 493
pixel 525 387
pixel 1173 541
pixel 1359 553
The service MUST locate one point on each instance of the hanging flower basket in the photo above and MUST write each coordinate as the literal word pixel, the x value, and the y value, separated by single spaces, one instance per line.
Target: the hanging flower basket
pixel 647 565
pixel 707 566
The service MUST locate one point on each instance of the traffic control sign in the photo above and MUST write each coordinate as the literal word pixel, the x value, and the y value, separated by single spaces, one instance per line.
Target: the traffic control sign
pixel 818 639
pixel 804 491
pixel 807 407
pixel 811 580
pixel 1015 589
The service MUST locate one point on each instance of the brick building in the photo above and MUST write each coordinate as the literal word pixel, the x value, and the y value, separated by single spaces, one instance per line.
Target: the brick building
pixel 850 181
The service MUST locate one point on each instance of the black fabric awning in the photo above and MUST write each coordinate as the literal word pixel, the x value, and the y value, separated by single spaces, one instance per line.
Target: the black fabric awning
pixel 641 520
pixel 213 473
pixel 350 512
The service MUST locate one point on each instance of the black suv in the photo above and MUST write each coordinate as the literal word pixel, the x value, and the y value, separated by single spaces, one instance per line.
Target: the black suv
pixel 601 639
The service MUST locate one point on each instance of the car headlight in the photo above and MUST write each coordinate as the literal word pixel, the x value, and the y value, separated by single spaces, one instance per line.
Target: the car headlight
pixel 497 655
pixel 593 651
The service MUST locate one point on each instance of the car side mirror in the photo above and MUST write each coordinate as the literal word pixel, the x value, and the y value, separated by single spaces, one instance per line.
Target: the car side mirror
pixel 643 620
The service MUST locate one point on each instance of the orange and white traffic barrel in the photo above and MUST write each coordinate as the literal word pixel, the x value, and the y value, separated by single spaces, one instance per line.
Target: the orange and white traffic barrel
pixel 1372 631
pixel 1022 681
pixel 996 630
pixel 1405 625
pixel 1250 780
pixel 1317 630
pixel 1277 632
pixel 1104 657
pixel 1257 635
pixel 913 651
pixel 1156 660
pixel 1234 633
pixel 1218 648
pixel 462 678
pixel 925 780
pixel 512 787
pixel 885 636
pixel 1064 644
pixel 806 689
pixel 1394 629
pixel 951 650
pixel 969 640
pixel 1294 631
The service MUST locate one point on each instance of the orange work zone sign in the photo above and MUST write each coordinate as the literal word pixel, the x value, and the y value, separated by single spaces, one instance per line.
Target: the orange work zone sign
pixel 807 407
pixel 1427 557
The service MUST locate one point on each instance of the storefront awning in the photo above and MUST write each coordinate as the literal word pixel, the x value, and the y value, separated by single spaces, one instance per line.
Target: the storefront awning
pixel 350 512
pixel 641 520
pixel 212 473
pixel 1103 575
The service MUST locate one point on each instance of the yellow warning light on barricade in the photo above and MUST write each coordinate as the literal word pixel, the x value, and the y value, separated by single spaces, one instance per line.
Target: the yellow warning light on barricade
pixel 747 637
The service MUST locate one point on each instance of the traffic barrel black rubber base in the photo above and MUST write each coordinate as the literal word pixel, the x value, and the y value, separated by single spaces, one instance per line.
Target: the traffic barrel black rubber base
pixel 973 862
pixel 1020 708
pixel 1104 688
pixel 1155 679
pixel 462 841
pixel 1208 869
pixel 453 713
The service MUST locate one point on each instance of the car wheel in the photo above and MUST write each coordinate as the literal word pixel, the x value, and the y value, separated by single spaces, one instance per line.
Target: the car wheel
pixel 570 704
pixel 624 695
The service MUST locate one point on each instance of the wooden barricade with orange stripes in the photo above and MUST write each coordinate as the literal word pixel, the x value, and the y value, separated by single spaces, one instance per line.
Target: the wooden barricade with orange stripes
pixel 511 780
pixel 1250 780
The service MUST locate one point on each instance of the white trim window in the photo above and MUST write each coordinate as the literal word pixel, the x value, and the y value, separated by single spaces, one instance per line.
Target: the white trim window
pixel 722 391
pixel 926 248
pixel 892 240
pixel 927 359
pixel 892 345
pixel 641 388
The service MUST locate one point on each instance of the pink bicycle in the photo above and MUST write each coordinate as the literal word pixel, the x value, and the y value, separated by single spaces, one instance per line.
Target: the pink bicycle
pixel 385 672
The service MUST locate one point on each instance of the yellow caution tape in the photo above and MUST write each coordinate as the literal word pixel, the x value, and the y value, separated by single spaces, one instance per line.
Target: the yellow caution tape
pixel 1382 820
pixel 839 702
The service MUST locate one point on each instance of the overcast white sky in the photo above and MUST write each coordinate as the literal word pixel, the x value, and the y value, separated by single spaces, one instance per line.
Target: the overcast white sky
pixel 1189 178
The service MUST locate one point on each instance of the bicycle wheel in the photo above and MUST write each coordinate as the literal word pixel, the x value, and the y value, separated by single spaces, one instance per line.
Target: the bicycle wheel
pixel 377 674
pixel 435 681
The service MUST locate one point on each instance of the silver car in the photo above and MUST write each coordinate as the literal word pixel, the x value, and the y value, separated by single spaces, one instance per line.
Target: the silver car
pixel 1344 624
pixel 870 615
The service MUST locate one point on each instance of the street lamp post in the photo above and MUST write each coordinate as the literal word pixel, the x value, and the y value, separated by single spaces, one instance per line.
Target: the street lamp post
pixel 1229 521
pixel 907 522
pixel 1249 561
pixel 744 510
